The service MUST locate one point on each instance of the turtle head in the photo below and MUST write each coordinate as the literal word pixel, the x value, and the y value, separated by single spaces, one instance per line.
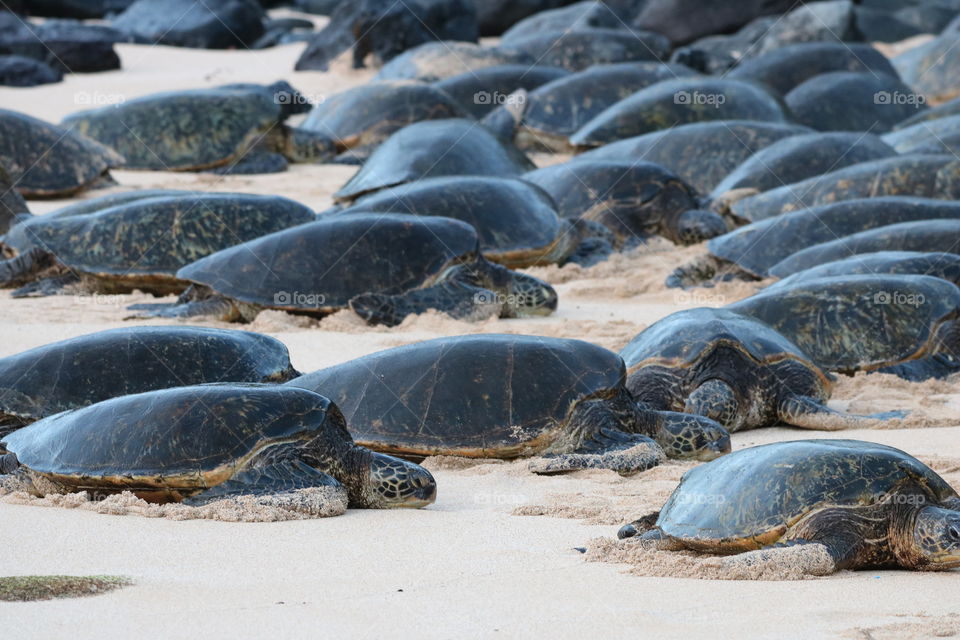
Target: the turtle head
pixel 688 436
pixel 698 225
pixel 389 483
pixel 309 147
pixel 522 295
pixel 936 536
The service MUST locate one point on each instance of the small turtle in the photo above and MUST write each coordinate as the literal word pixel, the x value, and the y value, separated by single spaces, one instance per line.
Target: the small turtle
pixel 555 111
pixel 800 157
pixel 862 322
pixel 921 263
pixel 864 504
pixel 674 102
pixel 702 154
pixel 200 444
pixel 582 48
pixel 941 135
pixel 434 61
pixel 732 369
pixel 383 266
pixel 633 200
pixel 141 244
pixel 483 90
pixel 788 67
pixel 510 396
pixel 921 235
pixel 751 252
pixel 361 118
pixel 237 127
pixel 925 176
pixel 517 222
pixel 431 149
pixel 81 371
pixel 47 161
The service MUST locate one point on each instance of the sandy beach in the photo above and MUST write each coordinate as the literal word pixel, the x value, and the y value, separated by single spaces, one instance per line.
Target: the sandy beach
pixel 501 552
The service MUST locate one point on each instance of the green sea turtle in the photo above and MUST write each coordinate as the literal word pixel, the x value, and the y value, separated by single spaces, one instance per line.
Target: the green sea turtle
pixel 752 251
pixel 555 111
pixel 141 244
pixel 682 101
pixel 702 154
pixel 482 90
pixel 199 444
pixel 922 263
pixel 433 61
pixel 237 127
pixel 862 322
pixel 576 50
pixel 925 176
pixel 732 369
pixel 81 371
pixel 434 148
pixel 47 161
pixel 509 396
pixel 864 504
pixel 383 266
pixel 574 17
pixel 517 222
pixel 633 200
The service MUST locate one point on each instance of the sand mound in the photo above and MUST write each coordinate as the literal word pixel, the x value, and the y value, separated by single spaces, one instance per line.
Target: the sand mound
pixel 923 626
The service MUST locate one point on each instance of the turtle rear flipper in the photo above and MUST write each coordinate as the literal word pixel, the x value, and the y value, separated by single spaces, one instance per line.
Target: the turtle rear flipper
pixel 457 299
pixel 26 267
pixel 809 413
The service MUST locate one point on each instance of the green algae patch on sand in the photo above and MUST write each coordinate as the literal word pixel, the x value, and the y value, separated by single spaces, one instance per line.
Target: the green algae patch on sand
pixel 32 588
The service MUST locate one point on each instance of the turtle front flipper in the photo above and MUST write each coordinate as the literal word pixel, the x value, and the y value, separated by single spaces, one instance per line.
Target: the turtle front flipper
pixel 457 299
pixel 705 269
pixel 625 453
pixel 809 413
pixel 639 526
pixel 714 399
pixel 26 267
pixel 46 287
pixel 197 301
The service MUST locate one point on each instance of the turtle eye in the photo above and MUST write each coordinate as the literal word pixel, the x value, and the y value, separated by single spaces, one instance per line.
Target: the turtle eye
pixel 954 532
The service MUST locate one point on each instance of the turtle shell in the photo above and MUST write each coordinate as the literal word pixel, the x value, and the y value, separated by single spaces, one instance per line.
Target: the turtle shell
pixel 82 371
pixel 681 101
pixel 142 244
pixel 951 108
pixel 759 246
pixel 937 264
pixel 369 114
pixel 169 444
pixel 801 157
pixel 319 267
pixel 922 235
pixel 702 154
pixel 181 130
pixel 579 15
pixel 438 60
pixel 926 176
pixel 47 161
pixel 751 497
pixel 498 396
pixel 915 138
pixel 861 322
pixel 431 149
pixel 582 48
pixel 517 223
pixel 95 205
pixel 932 68
pixel 482 90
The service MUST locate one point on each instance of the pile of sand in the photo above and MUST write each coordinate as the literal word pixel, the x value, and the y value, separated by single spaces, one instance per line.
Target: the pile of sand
pixel 923 626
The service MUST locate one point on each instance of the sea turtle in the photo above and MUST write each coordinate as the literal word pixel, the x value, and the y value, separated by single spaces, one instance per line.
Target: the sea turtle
pixel 434 148
pixel 674 102
pixel 864 504
pixel 800 157
pixel 920 235
pixel 702 154
pixel 925 176
pixel 555 111
pixel 922 263
pixel 732 369
pixel 141 244
pixel 483 90
pixel 751 252
pixel 941 135
pixel 862 322
pixel 853 101
pixel 788 67
pixel 517 222
pixel 574 17
pixel 199 444
pixel 510 396
pixel 361 118
pixel 81 371
pixel 582 48
pixel 633 200
pixel 438 60
pixel 384 266
pixel 236 127
pixel 47 161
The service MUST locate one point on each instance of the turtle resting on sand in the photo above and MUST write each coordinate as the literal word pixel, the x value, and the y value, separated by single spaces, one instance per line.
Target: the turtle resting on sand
pixel 863 504
pixel 47 161
pixel 732 369
pixel 862 322
pixel 81 371
pixel 206 443
pixel 510 396
pixel 383 266
pixel 140 244
pixel 237 127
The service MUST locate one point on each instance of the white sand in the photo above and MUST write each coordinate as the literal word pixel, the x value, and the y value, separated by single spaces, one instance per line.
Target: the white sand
pixel 465 567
